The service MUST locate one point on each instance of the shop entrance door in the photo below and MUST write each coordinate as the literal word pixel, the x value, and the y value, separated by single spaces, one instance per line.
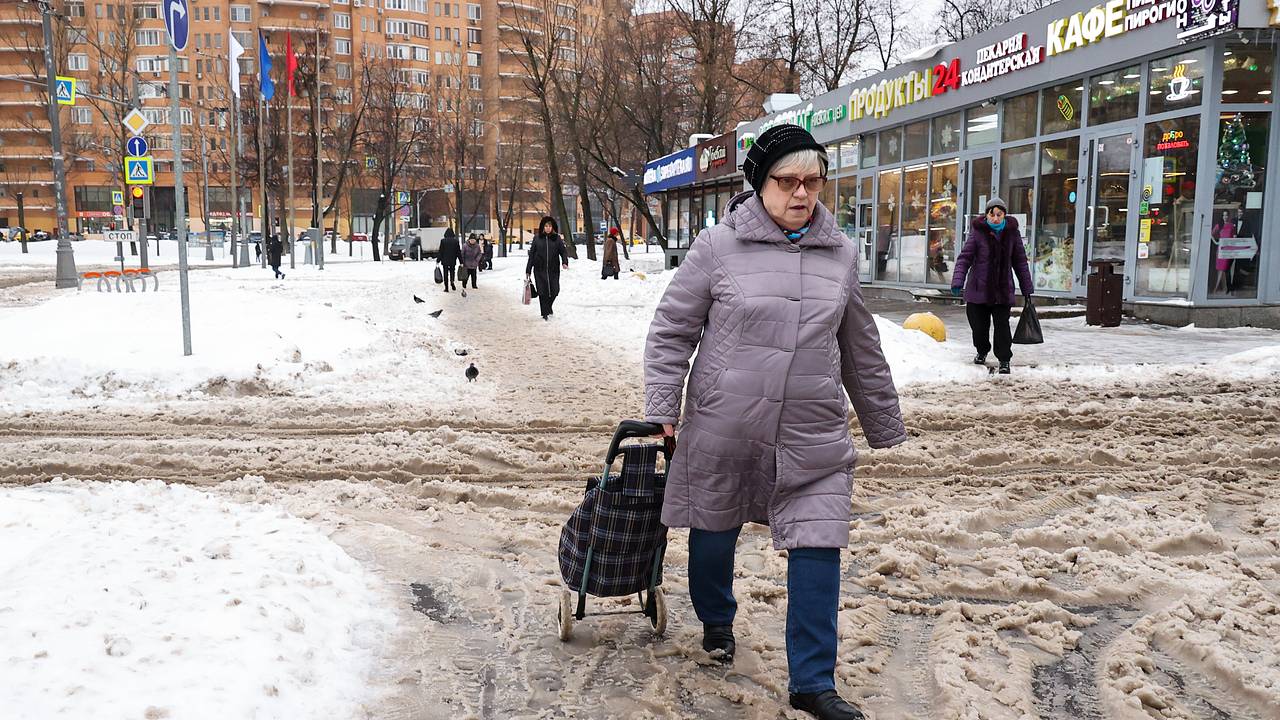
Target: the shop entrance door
pixel 866 227
pixel 1111 184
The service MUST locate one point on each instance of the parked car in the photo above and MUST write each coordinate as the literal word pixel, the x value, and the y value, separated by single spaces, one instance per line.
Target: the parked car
pixel 404 246
pixel 13 234
pixel 40 236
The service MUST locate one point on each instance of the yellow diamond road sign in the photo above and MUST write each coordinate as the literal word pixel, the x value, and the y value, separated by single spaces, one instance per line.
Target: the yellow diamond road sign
pixel 136 122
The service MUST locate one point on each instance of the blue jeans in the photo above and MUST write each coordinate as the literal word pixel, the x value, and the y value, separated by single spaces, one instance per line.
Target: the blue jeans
pixel 813 597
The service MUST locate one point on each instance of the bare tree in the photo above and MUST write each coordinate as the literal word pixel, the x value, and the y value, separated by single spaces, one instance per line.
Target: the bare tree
pixel 460 123
pixel 962 19
pixel 577 113
pixel 839 31
pixel 713 32
pixel 889 31
pixel 507 179
pixel 537 40
pixel 402 132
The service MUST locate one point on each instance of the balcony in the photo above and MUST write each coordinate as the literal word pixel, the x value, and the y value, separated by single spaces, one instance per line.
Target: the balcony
pixel 321 4
pixel 511 5
pixel 297 27
pixel 22 103
pixel 33 19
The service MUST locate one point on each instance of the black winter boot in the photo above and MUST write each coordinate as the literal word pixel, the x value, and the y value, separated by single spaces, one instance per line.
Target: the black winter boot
pixel 1004 367
pixel 718 640
pixel 825 705
pixel 980 359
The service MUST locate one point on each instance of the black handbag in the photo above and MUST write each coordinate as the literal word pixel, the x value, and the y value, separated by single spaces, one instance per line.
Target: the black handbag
pixel 439 275
pixel 1028 332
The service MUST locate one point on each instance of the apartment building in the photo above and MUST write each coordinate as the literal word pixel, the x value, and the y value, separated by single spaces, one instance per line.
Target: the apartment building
pixel 118 53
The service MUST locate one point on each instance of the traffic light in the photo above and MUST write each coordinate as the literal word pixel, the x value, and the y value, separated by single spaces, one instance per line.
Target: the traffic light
pixel 136 199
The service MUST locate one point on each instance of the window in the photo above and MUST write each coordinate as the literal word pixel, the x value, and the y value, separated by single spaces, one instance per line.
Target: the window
pixel 148 38
pixel 77 61
pixel 77 36
pixel 421 54
pixel 870 157
pixel 473 12
pixel 1236 229
pixel 917 144
pixel 980 126
pixel 1169 169
pixel 1247 72
pixel 848 153
pixel 1018 181
pixel 891 146
pixel 245 39
pixel 341 2
pixel 342 21
pixel 946 133
pixel 1054 252
pixel 1020 117
pixel 475 82
pixel 473 59
pixel 566 11
pixel 1060 107
pixel 142 12
pixel 473 36
pixel 75 9
pixel 241 13
pixel 1114 96
pixel 342 70
pixel 341 47
pixel 1176 82
pixel 887 223
pixel 156 116
pixel 81 116
pixel 944 196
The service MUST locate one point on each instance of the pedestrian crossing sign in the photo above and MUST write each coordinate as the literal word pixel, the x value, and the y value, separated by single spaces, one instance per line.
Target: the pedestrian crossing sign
pixel 139 170
pixel 65 89
pixel 117 197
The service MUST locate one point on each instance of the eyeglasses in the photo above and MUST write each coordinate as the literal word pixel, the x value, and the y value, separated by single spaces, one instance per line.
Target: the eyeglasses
pixel 788 184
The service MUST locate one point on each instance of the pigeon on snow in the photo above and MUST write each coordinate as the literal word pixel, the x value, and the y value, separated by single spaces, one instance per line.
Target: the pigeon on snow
pixel 436 314
pixel 418 300
pixel 472 373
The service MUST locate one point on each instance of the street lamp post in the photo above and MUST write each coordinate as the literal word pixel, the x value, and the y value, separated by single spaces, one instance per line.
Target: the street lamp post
pixel 66 276
pixel 22 223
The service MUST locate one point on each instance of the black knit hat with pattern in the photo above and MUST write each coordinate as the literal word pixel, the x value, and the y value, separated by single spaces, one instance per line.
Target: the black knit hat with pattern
pixel 774 144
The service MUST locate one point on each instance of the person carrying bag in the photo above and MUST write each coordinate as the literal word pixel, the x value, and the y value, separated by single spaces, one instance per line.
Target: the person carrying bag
pixel 1028 332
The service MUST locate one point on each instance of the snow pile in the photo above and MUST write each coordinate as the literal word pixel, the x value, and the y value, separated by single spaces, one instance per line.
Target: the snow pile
pixel 146 600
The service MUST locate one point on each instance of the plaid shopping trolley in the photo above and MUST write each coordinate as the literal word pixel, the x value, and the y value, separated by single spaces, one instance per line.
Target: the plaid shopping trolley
pixel 613 543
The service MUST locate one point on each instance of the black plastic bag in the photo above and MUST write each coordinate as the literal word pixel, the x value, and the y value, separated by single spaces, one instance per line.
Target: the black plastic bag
pixel 1028 332
pixel 439 275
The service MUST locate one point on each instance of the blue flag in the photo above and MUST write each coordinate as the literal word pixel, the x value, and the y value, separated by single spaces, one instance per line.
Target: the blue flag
pixel 264 76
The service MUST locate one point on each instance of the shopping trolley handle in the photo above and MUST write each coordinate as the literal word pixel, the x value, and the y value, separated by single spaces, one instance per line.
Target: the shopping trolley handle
pixel 637 429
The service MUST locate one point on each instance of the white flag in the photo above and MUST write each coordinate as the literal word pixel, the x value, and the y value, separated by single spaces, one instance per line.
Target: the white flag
pixel 236 51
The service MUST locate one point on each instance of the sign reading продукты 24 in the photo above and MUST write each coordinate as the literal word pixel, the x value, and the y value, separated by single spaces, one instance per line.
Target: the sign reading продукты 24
pixel 176 22
pixel 136 146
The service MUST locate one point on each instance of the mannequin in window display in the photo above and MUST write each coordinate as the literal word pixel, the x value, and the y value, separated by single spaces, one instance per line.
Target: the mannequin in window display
pixel 1224 228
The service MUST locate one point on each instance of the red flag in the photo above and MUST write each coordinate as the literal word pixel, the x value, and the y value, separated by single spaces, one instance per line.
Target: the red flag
pixel 290 63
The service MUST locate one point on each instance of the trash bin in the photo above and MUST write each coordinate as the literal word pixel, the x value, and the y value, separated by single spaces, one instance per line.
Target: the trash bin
pixel 1105 295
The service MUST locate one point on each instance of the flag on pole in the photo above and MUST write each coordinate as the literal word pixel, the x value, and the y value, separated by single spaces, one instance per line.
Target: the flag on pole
pixel 264 73
pixel 290 62
pixel 236 51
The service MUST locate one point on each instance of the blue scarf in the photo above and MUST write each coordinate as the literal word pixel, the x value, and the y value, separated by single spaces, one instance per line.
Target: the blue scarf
pixel 998 228
pixel 795 235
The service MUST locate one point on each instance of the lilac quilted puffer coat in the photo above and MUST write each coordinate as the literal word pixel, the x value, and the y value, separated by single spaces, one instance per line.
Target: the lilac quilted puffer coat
pixel 779 327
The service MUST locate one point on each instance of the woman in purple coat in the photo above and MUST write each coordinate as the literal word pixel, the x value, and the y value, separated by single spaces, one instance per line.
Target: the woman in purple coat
pixel 769 300
pixel 990 256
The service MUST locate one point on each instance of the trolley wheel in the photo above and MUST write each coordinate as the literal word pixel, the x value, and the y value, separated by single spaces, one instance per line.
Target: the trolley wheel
pixel 565 615
pixel 659 618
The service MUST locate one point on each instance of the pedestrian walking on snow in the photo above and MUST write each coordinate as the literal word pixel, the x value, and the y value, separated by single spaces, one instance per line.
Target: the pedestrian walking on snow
pixel 448 258
pixel 472 256
pixel 609 264
pixel 547 255
pixel 488 253
pixel 991 255
pixel 769 299
pixel 274 251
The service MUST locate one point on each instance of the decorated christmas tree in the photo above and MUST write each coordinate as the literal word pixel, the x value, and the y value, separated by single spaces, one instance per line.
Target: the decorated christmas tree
pixel 1235 165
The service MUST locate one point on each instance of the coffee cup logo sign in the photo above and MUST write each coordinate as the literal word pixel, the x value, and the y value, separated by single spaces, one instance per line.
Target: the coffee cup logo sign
pixel 712 157
pixel 1179 85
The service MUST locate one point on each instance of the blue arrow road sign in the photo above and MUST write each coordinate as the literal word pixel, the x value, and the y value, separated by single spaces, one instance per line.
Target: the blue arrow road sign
pixel 176 22
pixel 136 146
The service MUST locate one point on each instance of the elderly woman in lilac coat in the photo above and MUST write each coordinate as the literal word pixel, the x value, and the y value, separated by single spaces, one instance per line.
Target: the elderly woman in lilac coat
pixel 989 258
pixel 770 300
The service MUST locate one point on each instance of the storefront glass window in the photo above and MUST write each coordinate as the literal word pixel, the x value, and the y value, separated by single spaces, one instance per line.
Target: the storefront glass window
pixel 870 153
pixel 943 207
pixel 946 133
pixel 682 234
pixel 864 189
pixel 1020 117
pixel 846 204
pixel 1018 183
pixel 1060 107
pixel 828 196
pixel 1164 243
pixel 671 231
pixel 722 202
pixel 833 159
pixel 981 125
pixel 917 145
pixel 1176 82
pixel 887 224
pixel 891 146
pixel 1055 237
pixel 914 242
pixel 1236 230
pixel 849 155
pixel 1114 96
pixel 695 214
pixel 1246 73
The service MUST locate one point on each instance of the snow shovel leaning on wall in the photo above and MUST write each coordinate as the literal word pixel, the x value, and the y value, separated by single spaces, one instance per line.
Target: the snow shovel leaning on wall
pixel 614 542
